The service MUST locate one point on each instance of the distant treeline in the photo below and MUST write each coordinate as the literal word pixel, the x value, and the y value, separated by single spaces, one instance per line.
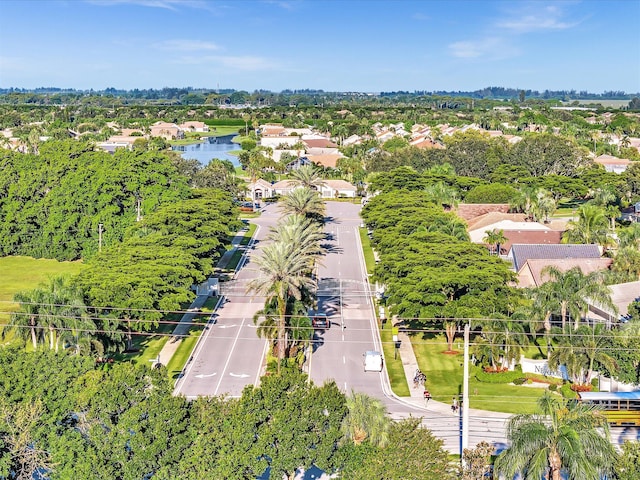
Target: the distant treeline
pixel 202 96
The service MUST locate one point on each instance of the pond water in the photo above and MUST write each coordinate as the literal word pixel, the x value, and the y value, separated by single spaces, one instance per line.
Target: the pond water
pixel 210 147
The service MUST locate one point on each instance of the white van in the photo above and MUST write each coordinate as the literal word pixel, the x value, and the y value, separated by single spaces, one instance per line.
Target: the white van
pixel 372 361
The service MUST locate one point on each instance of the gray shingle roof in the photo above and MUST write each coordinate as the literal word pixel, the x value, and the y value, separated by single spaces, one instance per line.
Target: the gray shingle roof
pixel 521 252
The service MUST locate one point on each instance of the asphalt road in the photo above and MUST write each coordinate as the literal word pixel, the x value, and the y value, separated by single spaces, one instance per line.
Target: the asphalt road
pixel 230 356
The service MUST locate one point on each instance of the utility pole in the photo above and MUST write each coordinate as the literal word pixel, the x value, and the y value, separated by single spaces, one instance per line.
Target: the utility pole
pixel 465 394
pixel 99 237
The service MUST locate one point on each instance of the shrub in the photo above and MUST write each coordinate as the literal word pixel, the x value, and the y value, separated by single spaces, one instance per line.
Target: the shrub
pixel 501 377
pixel 581 388
pixel 566 391
pixel 519 381
pixel 553 387
pixel 491 369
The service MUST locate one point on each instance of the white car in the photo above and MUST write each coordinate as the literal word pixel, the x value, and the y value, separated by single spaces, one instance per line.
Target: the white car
pixel 372 361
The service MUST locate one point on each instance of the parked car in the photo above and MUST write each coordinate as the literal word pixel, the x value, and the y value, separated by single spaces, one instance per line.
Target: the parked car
pixel 320 321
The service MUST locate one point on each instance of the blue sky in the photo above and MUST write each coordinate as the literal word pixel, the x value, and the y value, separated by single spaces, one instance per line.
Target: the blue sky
pixel 367 46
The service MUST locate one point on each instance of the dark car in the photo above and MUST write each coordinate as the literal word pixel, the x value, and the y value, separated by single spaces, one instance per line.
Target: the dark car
pixel 320 320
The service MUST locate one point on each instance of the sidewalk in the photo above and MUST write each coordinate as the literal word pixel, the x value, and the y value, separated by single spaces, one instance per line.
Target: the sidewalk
pixel 410 364
pixel 182 329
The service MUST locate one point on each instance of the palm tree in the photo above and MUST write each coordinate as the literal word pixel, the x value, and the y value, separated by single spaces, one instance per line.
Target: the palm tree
pixel 630 236
pixel 495 237
pixel 307 176
pixel 283 274
pixel 303 233
pixel 452 227
pixel 27 321
pixel 564 438
pixel 366 420
pixel 525 200
pixel 544 205
pixel 442 195
pixel 592 226
pixel 574 291
pixel 303 201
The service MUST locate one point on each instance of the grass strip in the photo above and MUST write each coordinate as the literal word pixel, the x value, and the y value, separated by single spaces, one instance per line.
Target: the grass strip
pixel 182 354
pixel 367 250
pixel 395 369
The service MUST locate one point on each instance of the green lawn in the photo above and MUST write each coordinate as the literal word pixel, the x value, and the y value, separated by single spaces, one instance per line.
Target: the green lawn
pixel 444 380
pixel 180 357
pixel 367 250
pixel 395 369
pixel 25 273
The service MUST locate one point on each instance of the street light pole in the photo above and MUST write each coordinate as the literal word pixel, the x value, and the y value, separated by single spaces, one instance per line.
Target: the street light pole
pixel 99 237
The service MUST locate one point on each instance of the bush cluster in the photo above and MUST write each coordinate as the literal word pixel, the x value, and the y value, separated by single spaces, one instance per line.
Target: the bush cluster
pixel 501 377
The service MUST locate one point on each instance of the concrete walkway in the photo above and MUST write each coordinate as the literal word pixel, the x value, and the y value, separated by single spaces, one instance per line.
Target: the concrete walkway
pixel 182 329
pixel 410 364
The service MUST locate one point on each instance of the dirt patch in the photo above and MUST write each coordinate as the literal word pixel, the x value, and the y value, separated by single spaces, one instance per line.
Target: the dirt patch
pixel 451 352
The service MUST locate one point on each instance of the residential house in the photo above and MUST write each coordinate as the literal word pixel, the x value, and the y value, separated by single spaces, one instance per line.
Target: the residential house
pixel 612 164
pixel 338 188
pixel 622 295
pixel 530 274
pixel 275 141
pixel 477 235
pixel 168 131
pixel 471 211
pixel 193 126
pixel 325 160
pixel 519 254
pixel 261 189
pixel 528 237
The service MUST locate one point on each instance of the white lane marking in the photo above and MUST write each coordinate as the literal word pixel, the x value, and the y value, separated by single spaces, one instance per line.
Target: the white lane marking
pixel 200 343
pixel 239 375
pixel 202 375
pixel 233 346
pixel 227 326
pixel 344 359
pixel 259 371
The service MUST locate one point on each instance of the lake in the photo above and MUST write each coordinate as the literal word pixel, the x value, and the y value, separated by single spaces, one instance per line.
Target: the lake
pixel 210 147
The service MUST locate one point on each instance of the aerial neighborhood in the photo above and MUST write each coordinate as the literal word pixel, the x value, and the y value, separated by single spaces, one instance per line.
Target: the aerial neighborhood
pixel 461 263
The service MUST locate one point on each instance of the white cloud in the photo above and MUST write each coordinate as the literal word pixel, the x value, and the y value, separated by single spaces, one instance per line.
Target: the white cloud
pixel 490 48
pixel 534 17
pixel 186 45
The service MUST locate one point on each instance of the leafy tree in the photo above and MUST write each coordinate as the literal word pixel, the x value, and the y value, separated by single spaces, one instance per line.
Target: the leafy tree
pixel 546 154
pixel 412 453
pixel 285 446
pixel 562 438
pixel 628 465
pixel 491 193
pixel 477 461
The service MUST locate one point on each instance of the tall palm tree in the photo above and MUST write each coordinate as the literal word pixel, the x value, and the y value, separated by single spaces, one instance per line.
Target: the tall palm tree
pixel 630 236
pixel 525 200
pixel 573 291
pixel 564 438
pixel 303 233
pixel 592 226
pixel 366 420
pixel 27 322
pixel 453 227
pixel 495 237
pixel 307 176
pixel 544 205
pixel 283 274
pixel 303 201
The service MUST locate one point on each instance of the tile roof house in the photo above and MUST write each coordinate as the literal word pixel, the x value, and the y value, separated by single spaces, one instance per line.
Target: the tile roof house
pixel 331 189
pixel 519 253
pixel 194 126
pixel 541 237
pixel 612 164
pixel 476 235
pixel 469 211
pixel 319 143
pixel 325 160
pixel 622 295
pixel 530 274
pixel 168 131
